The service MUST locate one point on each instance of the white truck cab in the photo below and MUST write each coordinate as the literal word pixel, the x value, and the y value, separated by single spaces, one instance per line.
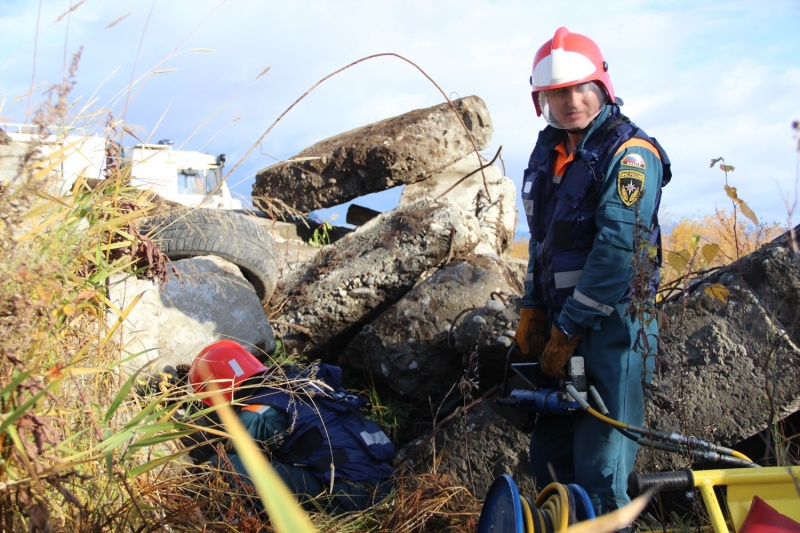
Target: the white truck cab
pixel 191 178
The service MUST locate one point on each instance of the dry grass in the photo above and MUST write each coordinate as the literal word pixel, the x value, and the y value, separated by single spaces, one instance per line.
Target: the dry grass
pixel 55 362
pixel 420 503
pixel 519 249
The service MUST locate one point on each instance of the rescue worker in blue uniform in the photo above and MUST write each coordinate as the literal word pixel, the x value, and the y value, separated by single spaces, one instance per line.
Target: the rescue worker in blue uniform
pixel 591 194
pixel 328 455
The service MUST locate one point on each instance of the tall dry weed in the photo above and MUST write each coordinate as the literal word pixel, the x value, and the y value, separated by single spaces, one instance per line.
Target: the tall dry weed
pixel 58 361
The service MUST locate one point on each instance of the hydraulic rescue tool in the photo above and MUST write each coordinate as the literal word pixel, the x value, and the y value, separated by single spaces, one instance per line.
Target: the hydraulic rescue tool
pixel 527 393
pixel 538 394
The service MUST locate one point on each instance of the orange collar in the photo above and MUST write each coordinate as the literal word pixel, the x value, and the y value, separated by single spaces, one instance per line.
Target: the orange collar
pixel 562 160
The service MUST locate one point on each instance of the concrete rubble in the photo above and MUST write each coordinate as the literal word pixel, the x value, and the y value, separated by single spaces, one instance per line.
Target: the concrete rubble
pixel 351 282
pixel 208 300
pixel 480 188
pixel 411 347
pixel 377 157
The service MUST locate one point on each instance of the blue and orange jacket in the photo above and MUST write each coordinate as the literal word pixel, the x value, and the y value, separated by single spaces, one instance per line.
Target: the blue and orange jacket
pixel 587 214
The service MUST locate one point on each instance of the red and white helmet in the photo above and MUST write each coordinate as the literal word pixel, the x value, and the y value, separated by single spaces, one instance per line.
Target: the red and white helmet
pixel 568 59
pixel 227 364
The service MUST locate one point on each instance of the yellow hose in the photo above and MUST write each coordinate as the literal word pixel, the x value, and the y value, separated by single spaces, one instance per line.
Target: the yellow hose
pixel 740 455
pixel 554 502
pixel 527 515
pixel 606 419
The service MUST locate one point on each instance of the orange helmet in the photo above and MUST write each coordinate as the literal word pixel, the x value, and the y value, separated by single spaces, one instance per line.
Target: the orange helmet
pixel 227 364
pixel 568 59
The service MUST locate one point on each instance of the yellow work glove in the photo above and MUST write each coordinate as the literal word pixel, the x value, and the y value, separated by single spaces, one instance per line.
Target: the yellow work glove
pixel 530 332
pixel 557 352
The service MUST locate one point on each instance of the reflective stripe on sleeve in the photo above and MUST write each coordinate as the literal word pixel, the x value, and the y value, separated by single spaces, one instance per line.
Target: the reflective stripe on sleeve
pixel 528 204
pixel 588 302
pixel 379 437
pixel 567 279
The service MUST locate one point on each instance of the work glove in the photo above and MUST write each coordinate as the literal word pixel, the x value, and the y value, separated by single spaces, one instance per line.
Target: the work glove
pixel 530 332
pixel 557 351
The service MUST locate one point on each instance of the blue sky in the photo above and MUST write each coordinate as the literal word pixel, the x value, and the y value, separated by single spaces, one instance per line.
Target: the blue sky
pixel 707 78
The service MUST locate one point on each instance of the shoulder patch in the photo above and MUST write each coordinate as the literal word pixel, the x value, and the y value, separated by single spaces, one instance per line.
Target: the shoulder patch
pixel 633 160
pixel 629 185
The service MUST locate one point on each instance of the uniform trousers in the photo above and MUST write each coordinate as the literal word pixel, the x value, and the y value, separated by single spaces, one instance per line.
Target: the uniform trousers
pixel 580 448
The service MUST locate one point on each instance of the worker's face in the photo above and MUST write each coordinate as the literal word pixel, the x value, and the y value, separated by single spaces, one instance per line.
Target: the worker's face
pixel 574 107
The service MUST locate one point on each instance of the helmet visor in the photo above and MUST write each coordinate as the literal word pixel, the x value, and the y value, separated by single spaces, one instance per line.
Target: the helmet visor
pixel 585 88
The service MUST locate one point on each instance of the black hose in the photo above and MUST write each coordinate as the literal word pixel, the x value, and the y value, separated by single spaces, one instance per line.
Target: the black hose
pixel 628 434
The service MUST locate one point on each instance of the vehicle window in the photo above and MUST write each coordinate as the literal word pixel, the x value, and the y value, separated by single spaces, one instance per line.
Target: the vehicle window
pixel 213 178
pixel 191 181
pixel 194 181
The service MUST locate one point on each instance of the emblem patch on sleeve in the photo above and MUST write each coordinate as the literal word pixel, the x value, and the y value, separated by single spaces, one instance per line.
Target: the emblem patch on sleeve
pixel 629 185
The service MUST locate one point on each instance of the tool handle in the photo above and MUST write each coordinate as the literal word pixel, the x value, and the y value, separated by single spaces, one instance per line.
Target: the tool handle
pixel 676 480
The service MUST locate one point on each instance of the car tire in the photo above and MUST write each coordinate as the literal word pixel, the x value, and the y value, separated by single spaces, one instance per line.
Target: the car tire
pixel 235 237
